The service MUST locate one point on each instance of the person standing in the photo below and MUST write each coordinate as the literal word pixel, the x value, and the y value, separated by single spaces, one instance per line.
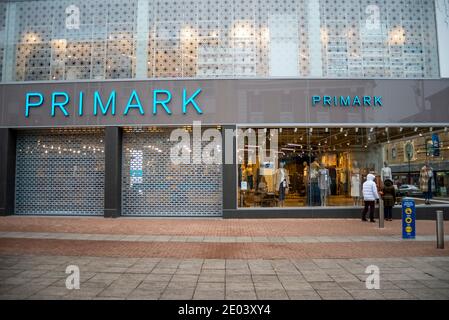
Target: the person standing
pixel 370 196
pixel 389 198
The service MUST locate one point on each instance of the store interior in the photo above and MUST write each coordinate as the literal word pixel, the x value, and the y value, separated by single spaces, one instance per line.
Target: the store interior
pixel 327 167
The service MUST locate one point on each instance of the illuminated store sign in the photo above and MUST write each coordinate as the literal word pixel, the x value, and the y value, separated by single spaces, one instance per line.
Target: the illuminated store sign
pixel 347 101
pixel 60 103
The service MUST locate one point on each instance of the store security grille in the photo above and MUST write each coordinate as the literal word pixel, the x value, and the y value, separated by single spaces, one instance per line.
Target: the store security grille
pixel 60 172
pixel 153 185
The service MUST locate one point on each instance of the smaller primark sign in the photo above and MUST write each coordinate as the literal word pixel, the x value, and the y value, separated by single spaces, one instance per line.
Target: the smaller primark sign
pixel 347 101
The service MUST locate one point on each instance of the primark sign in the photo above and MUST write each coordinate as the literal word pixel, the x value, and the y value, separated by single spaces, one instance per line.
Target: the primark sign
pixel 61 102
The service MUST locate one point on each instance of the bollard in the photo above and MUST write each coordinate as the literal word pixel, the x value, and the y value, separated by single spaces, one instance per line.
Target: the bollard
pixel 440 229
pixel 381 214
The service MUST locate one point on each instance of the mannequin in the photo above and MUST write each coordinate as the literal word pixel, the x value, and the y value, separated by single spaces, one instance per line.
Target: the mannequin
pixel 343 181
pixel 324 183
pixel 249 176
pixel 386 173
pixel 425 181
pixel 305 180
pixel 355 183
pixel 282 182
pixel 314 188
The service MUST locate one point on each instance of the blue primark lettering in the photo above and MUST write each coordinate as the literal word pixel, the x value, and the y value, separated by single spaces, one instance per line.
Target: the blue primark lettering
pixel 80 104
pixel 101 104
pixel 366 100
pixel 190 100
pixel 345 101
pixel 29 104
pixel 131 105
pixel 356 101
pixel 104 109
pixel 161 102
pixel 378 101
pixel 315 100
pixel 60 105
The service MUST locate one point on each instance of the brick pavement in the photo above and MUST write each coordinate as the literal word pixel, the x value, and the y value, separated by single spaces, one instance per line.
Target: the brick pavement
pixel 209 227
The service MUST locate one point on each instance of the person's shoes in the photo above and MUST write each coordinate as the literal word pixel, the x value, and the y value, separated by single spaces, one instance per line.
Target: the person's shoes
pixel 364 219
pixel 372 220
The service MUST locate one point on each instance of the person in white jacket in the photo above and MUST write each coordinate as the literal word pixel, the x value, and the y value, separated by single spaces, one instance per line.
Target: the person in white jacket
pixel 370 196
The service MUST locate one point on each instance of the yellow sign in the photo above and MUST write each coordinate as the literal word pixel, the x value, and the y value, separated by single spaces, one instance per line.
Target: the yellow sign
pixel 408 229
pixel 408 210
pixel 408 220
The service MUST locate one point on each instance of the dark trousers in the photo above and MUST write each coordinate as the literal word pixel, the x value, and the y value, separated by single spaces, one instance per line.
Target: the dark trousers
pixel 369 204
pixel 388 212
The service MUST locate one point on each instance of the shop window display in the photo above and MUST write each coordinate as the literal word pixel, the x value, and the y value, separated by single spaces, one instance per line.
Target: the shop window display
pixel 327 167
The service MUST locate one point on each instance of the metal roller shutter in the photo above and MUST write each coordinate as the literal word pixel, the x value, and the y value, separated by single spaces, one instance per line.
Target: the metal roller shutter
pixel 60 172
pixel 153 186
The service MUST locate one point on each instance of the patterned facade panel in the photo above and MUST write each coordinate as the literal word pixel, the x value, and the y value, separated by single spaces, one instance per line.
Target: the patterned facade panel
pixel 82 39
pixel 60 172
pixel 153 185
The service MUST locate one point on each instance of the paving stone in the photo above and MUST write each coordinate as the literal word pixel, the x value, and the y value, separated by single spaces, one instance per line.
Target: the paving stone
pixel 53 291
pixel 303 295
pixel 142 294
pixel 209 295
pixel 176 294
pixel 271 294
pixel 214 264
pixel 398 294
pixel 409 284
pixel 206 286
pixel 437 284
pixel 366 294
pixel 240 295
pixel 334 294
pixel 324 285
pixel 153 285
pixel 116 292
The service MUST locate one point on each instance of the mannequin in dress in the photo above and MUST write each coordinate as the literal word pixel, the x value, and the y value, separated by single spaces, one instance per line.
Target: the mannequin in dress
pixel 314 188
pixel 385 173
pixel 425 181
pixel 355 183
pixel 282 182
pixel 324 183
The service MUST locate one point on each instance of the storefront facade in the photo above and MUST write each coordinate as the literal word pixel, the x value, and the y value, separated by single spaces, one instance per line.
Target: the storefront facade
pixel 92 106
